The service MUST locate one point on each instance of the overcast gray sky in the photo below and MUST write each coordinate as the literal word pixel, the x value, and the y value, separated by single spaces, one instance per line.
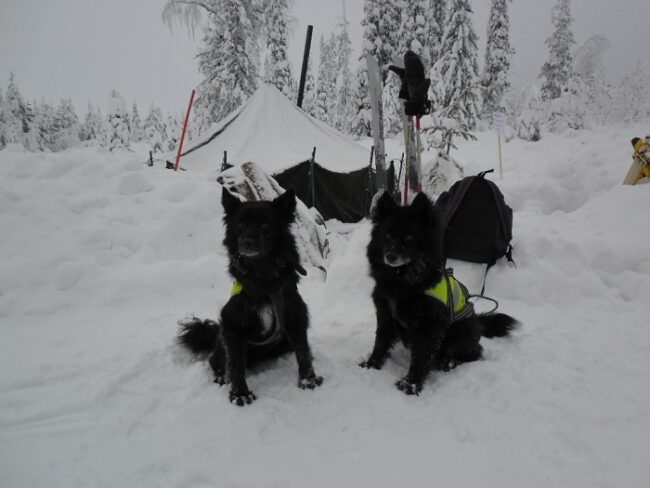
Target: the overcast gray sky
pixel 84 48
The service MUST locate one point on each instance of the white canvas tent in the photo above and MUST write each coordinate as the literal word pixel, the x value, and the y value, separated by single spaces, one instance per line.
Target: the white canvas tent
pixel 270 130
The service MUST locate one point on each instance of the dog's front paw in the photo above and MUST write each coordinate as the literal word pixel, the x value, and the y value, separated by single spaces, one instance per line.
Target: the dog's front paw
pixel 221 379
pixel 371 363
pixel 241 399
pixel 409 387
pixel 310 383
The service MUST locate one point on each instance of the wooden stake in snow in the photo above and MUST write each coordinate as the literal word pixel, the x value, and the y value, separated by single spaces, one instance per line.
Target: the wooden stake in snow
pixel 499 123
pixel 180 144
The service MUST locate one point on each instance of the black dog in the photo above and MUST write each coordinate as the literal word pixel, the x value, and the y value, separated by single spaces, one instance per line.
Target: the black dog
pixel 405 254
pixel 265 316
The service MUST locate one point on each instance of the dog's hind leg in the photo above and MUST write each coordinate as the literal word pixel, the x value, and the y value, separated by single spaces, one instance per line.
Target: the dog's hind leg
pixel 218 363
pixel 461 344
pixel 297 322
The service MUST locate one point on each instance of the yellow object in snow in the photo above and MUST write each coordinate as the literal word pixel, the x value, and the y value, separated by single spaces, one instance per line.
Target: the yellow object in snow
pixel 640 161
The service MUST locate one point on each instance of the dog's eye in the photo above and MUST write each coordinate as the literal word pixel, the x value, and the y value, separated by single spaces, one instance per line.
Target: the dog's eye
pixel 408 238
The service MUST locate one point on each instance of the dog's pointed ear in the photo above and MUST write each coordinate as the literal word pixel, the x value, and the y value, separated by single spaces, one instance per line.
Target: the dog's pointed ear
pixel 229 201
pixel 384 207
pixel 285 205
pixel 421 205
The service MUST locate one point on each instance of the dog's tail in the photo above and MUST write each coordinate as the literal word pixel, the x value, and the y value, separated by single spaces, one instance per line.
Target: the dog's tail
pixel 497 324
pixel 197 335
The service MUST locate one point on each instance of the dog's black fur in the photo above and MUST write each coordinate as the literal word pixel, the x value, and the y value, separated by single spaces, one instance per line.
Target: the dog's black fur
pixel 264 259
pixel 405 254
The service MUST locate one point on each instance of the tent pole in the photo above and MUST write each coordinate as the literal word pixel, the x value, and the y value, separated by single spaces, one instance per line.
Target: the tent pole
pixel 305 62
pixel 312 178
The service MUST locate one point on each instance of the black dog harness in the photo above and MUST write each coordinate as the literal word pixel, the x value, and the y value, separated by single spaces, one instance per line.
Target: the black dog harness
pixel 277 305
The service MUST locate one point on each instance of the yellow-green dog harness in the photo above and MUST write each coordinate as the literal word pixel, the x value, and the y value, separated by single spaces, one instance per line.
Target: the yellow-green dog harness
pixel 454 295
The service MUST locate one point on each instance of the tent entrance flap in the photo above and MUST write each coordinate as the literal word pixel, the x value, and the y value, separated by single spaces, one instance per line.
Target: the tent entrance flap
pixel 342 196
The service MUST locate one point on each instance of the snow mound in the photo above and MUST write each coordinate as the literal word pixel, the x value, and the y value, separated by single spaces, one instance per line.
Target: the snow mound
pixel 94 392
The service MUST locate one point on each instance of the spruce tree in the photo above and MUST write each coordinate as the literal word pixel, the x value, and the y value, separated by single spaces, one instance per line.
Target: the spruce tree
pixel 16 115
pixel 589 69
pixel 370 46
pixel 117 135
pixel 455 77
pixel 229 58
pixel 66 125
pixel 436 23
pixel 137 133
pixel 309 97
pixel 326 91
pixel 277 70
pixel 343 92
pixel 414 31
pixel 2 120
pixel 155 129
pixel 498 53
pixel 557 70
pixel 389 32
pixel 390 15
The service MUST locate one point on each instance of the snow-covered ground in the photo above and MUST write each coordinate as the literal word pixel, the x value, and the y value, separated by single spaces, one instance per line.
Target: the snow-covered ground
pixel 100 256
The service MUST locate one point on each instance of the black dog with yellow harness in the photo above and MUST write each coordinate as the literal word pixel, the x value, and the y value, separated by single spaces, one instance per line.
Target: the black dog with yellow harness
pixel 417 301
pixel 265 316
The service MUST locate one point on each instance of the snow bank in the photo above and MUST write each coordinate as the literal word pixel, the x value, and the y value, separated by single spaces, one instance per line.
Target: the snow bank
pixel 100 256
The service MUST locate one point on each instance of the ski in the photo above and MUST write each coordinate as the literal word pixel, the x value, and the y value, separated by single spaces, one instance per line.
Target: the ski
pixel 374 86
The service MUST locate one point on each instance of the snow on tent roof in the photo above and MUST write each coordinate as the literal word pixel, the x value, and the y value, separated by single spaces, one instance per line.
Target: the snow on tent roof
pixel 273 132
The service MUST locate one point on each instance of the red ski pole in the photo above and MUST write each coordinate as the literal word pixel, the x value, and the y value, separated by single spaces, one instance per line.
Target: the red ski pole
pixel 180 144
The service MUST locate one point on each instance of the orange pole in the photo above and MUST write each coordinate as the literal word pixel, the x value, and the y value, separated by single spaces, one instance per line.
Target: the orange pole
pixel 187 118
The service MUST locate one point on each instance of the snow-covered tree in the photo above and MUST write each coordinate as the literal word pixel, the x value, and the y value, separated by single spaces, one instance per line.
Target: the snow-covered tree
pixel 326 90
pixel 229 58
pixel 277 69
pixel 557 70
pixel 436 14
pixel 525 112
pixel 370 46
pixel 309 96
pixel 390 19
pixel 498 53
pixel 35 139
pixel 92 128
pixel 16 115
pixel 389 32
pixel 174 125
pixel 117 135
pixel 137 133
pixel 2 120
pixel 361 124
pixel 66 126
pixel 155 129
pixel 455 78
pixel 589 69
pixel 344 110
pixel 632 98
pixel 569 111
pixel 414 31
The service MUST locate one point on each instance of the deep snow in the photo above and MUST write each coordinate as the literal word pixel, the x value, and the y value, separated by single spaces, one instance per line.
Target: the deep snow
pixel 101 255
